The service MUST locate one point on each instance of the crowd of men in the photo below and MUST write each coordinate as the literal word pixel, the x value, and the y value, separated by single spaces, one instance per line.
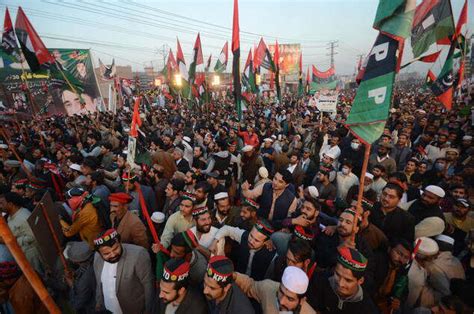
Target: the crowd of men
pixel 217 215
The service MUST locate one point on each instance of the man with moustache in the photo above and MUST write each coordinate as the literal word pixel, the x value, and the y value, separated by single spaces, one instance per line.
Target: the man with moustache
pixel 176 296
pixel 123 275
pixel 203 229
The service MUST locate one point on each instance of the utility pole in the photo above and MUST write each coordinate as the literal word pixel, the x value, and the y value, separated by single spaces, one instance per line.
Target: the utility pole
pixel 332 45
pixel 163 51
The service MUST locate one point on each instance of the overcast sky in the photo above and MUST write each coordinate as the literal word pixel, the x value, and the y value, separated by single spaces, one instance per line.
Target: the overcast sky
pixel 135 32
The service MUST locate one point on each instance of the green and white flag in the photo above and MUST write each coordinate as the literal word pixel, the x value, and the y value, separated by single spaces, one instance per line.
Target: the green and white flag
pixel 221 64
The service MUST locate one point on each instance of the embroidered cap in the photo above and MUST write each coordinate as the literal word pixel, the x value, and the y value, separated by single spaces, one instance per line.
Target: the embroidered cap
pixel 303 233
pixel 264 227
pixel 352 259
pixel 175 270
pixel 248 202
pixel 107 238
pixel 220 269
pixel 199 211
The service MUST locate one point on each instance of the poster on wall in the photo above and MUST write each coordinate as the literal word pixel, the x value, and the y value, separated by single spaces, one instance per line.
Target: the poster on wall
pixel 73 90
pixel 289 57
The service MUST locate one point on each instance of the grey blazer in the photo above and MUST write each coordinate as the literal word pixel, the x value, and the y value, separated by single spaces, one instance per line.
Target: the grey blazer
pixel 134 283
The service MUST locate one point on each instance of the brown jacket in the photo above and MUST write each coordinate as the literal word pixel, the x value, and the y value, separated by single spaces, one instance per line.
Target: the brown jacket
pixel 132 230
pixel 281 161
pixel 86 223
pixel 166 160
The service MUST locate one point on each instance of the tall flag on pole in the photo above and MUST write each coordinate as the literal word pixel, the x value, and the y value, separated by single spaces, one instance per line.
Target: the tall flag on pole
pixel 263 58
pixel 323 80
pixel 462 19
pixel 171 67
pixel 198 60
pixel 308 80
pixel 442 87
pixel 9 44
pixel 182 71
pixel 248 77
pixel 236 60
pixel 300 77
pixel 369 111
pixel 221 64
pixel 208 64
pixel 433 22
pixel 276 61
pixel 136 120
pixel 33 48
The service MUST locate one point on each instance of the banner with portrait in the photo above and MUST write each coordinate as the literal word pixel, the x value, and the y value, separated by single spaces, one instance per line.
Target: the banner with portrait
pixel 289 57
pixel 51 93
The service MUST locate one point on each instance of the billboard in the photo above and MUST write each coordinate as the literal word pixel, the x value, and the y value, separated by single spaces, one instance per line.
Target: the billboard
pixel 76 63
pixel 289 57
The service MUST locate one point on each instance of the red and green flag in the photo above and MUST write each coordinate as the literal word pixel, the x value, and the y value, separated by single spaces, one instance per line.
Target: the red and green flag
pixel 248 77
pixel 371 105
pixel 197 65
pixel 300 77
pixel 208 64
pixel 433 22
pixel 221 63
pixel 263 58
pixel 183 72
pixel 33 48
pixel 323 80
pixel 442 87
pixel 462 19
pixel 276 58
pixel 9 45
pixel 431 58
pixel 237 89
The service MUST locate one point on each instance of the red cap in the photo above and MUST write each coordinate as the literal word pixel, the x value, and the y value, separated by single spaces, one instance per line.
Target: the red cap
pixel 122 198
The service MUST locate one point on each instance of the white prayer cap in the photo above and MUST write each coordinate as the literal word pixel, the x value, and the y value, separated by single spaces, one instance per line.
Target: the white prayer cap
pixel 263 172
pixel 436 190
pixel 313 191
pixel 369 175
pixel 221 195
pixel 429 227
pixel 186 139
pixel 444 238
pixel 428 247
pixel 295 280
pixel 268 140
pixel 464 138
pixel 3 146
pixel 75 167
pixel 158 217
pixel 247 148
pixel 330 155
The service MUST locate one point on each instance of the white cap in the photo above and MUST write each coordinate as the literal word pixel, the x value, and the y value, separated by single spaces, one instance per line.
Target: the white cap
pixel 220 196
pixel 247 148
pixel 3 146
pixel 186 139
pixel 158 217
pixel 464 138
pixel 436 190
pixel 429 227
pixel 12 163
pixel 428 247
pixel 369 175
pixel 313 191
pixel 295 280
pixel 330 155
pixel 268 140
pixel 263 172
pixel 75 167
pixel 444 238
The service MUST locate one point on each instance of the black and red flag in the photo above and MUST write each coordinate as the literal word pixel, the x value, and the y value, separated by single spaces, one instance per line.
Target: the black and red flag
pixel 236 60
pixel 33 48
pixel 9 44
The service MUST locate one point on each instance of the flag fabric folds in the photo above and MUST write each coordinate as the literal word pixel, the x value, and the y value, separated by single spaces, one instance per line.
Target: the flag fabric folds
pixel 442 87
pixel 33 48
pixel 433 22
pixel 300 77
pixel 237 89
pixel 136 120
pixel 323 80
pixel 183 84
pixel 248 76
pixel 370 108
pixel 221 63
pixel 263 58
pixel 9 44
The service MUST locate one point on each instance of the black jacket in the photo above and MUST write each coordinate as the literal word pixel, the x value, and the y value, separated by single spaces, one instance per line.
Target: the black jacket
pixel 236 302
pixel 396 224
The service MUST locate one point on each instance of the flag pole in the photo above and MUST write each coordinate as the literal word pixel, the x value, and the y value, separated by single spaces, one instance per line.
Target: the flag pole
pixel 360 196
pixel 26 268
